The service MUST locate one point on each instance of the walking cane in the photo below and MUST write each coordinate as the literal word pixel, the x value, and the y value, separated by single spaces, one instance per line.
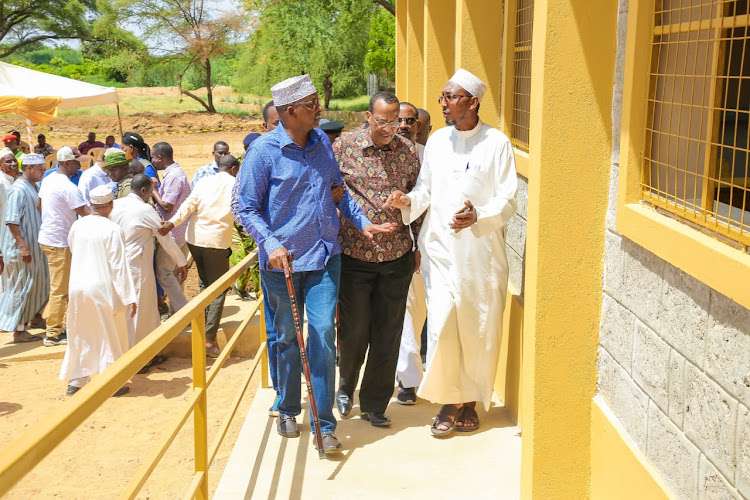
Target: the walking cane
pixel 303 356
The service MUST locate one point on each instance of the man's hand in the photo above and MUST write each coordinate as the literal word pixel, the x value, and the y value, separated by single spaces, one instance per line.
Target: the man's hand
pixel 397 199
pixel 181 273
pixel 371 230
pixel 165 228
pixel 338 193
pixel 277 258
pixel 417 260
pixel 25 254
pixel 464 217
pixel 131 309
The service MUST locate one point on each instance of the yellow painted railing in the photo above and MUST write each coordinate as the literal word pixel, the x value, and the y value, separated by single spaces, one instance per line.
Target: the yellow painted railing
pixel 26 452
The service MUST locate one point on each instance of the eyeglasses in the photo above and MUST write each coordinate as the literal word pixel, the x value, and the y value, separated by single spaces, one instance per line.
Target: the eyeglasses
pixel 383 123
pixel 451 97
pixel 410 120
pixel 312 104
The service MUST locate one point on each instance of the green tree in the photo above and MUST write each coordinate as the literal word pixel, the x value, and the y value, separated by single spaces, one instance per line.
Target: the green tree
pixel 27 22
pixel 381 47
pixel 316 36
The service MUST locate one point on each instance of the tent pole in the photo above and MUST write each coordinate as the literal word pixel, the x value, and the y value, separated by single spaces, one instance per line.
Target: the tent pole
pixel 119 120
pixel 29 134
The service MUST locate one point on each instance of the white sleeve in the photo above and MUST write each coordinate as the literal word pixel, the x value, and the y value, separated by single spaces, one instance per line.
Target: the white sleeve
pixel 494 214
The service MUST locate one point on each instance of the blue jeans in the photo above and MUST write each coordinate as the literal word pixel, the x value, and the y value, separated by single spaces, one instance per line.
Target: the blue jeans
pixel 272 337
pixel 317 291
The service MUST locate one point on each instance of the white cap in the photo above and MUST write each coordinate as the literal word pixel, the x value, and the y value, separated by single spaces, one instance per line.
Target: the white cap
pixel 101 195
pixel 33 159
pixel 111 150
pixel 5 152
pixel 469 83
pixel 292 89
pixel 65 154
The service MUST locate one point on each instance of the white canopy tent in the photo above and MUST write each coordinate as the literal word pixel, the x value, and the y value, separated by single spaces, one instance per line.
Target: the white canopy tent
pixel 37 96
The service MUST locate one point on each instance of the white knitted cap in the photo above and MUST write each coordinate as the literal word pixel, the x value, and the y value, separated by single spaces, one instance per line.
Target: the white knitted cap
pixel 101 195
pixel 470 83
pixel 292 89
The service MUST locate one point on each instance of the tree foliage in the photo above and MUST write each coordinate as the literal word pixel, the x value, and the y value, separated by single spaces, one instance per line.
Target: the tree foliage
pixel 381 47
pixel 26 22
pixel 318 37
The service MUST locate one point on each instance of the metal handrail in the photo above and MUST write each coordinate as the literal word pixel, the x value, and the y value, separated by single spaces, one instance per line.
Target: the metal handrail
pixel 26 452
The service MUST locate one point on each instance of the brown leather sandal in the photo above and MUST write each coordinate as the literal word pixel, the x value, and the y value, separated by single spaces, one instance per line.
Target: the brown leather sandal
pixel 446 416
pixel 468 416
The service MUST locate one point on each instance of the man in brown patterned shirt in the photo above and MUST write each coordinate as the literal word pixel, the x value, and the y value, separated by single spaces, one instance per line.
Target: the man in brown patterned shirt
pixel 375 273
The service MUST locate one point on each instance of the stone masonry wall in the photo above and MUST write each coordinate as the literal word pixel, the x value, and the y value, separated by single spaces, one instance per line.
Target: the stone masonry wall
pixel 674 357
pixel 515 238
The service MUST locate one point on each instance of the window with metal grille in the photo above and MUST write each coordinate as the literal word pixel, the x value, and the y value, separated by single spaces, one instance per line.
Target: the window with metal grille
pixel 522 74
pixel 696 151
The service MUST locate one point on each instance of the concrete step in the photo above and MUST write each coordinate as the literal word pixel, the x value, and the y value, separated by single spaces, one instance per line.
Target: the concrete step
pixel 402 461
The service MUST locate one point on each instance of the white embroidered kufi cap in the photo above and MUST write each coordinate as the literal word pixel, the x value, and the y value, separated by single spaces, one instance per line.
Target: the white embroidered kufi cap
pixel 470 83
pixel 101 195
pixel 292 89
pixel 33 159
pixel 5 152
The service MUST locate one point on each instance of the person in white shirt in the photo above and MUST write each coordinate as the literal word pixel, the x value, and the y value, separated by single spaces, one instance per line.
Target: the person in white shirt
pixel 140 223
pixel 468 183
pixel 102 295
pixel 62 203
pixel 209 235
pixel 221 148
pixel 409 366
pixel 94 176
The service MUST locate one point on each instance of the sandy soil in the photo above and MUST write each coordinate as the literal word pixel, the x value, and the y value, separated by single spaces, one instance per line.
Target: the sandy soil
pixel 119 433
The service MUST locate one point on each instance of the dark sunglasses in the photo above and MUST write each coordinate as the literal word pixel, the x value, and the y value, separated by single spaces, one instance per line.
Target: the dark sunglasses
pixel 410 120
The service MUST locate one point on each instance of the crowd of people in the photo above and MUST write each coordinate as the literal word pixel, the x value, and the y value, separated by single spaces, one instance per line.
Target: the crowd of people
pixel 392 230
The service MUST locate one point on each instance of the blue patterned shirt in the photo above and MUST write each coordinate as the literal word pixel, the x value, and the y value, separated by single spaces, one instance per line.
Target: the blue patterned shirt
pixel 205 171
pixel 284 199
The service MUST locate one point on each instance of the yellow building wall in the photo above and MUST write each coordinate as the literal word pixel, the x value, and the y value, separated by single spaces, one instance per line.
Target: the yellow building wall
pixel 573 56
pixel 548 368
pixel 618 470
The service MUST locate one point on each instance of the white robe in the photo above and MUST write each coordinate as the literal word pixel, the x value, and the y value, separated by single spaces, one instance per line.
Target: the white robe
pixel 100 289
pixel 465 273
pixel 140 223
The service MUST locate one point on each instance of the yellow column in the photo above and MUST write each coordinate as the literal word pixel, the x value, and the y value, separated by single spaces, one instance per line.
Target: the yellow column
pixel 569 166
pixel 479 41
pixel 401 28
pixel 439 54
pixel 414 51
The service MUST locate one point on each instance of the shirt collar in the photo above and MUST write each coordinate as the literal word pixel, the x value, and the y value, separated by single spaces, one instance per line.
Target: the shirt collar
pixel 173 166
pixel 285 140
pixel 364 139
pixel 7 177
pixel 465 134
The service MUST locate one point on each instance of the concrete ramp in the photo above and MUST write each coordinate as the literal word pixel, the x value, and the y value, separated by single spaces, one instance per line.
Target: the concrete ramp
pixel 402 461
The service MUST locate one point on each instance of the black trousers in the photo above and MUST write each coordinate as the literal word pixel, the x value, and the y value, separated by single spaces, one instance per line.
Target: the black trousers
pixel 372 303
pixel 212 263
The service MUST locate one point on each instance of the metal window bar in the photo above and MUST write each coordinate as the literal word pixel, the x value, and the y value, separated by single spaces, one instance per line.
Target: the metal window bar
pixel 522 74
pixel 26 452
pixel 696 156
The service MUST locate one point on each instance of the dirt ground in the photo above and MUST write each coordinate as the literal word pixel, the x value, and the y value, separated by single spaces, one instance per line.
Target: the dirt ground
pixel 119 433
pixel 100 457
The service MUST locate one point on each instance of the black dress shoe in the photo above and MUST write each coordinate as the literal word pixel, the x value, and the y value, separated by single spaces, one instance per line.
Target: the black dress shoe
pixel 343 403
pixel 376 419
pixel 287 426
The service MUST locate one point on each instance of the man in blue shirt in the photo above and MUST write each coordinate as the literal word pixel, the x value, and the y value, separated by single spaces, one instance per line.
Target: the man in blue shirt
pixel 285 203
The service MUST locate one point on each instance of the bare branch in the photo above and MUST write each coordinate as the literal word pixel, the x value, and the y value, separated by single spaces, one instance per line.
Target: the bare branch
pixel 386 5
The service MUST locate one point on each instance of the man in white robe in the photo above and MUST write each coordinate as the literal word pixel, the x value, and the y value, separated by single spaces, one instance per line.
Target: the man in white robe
pixel 468 168
pixel 101 294
pixel 140 224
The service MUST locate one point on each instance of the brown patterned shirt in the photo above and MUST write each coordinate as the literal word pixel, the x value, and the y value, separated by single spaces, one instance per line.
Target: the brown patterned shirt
pixel 371 174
